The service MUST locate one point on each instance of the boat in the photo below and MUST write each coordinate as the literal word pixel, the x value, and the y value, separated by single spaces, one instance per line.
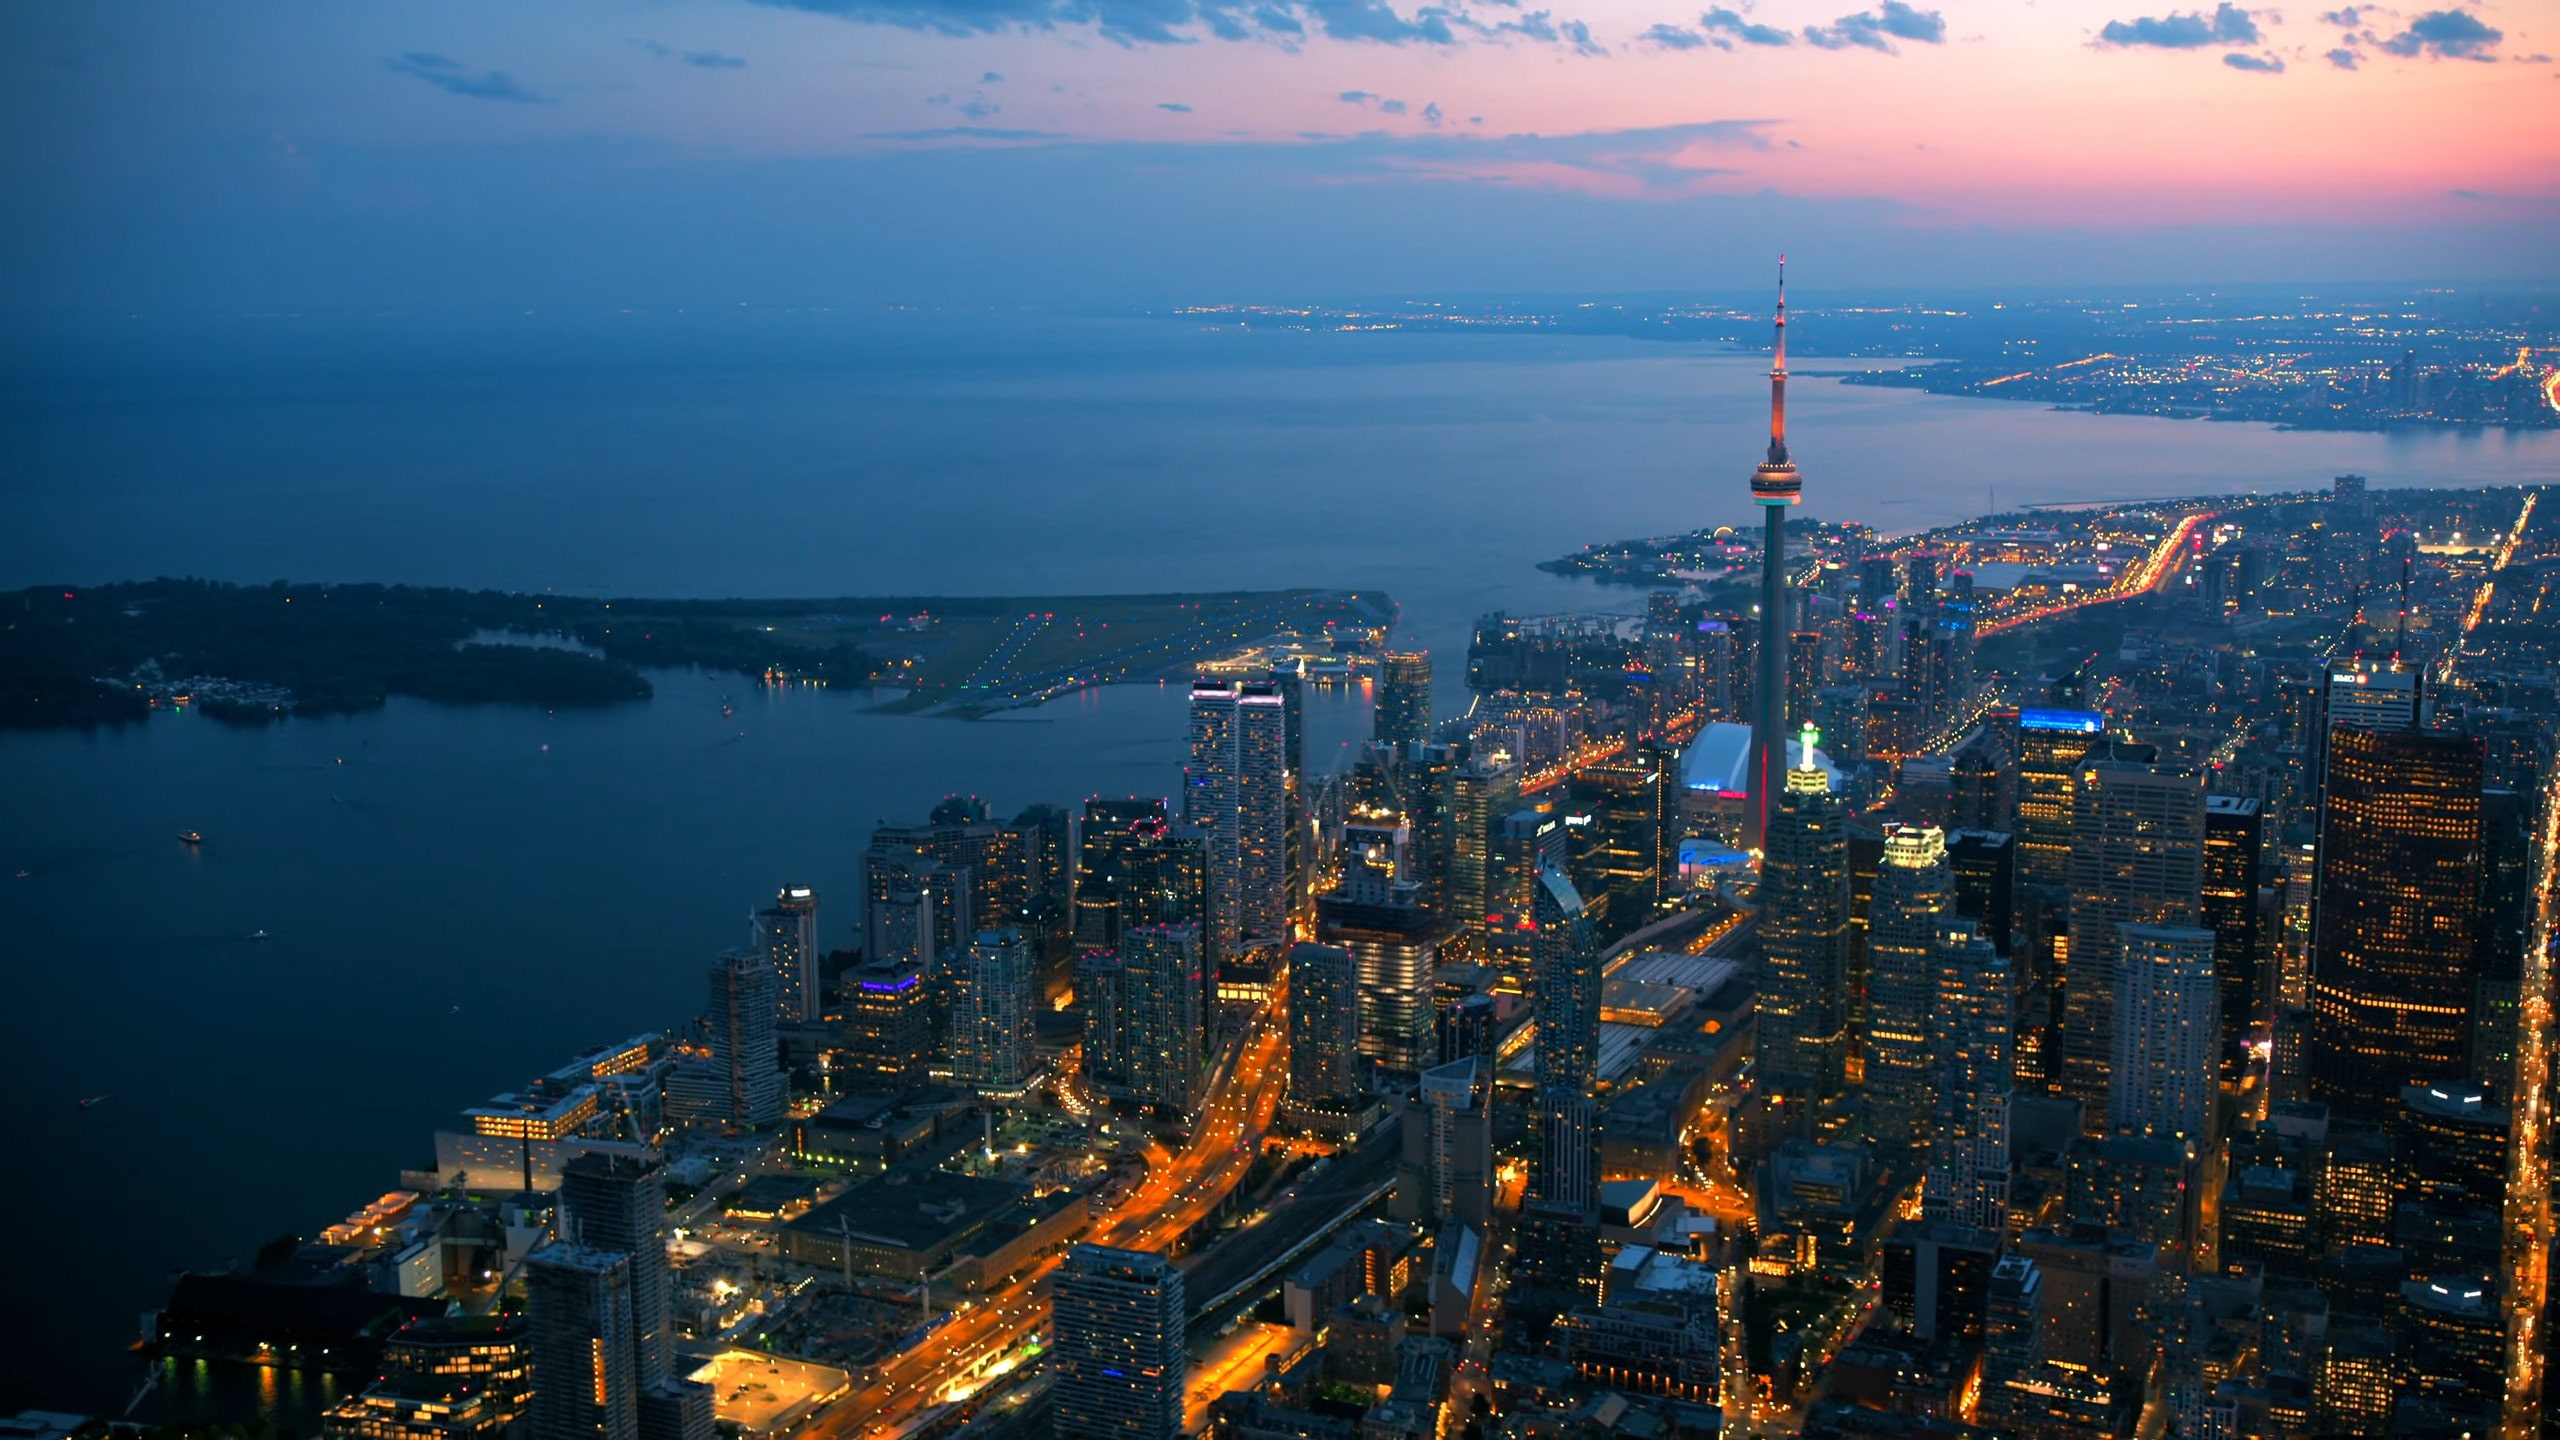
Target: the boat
pixel 257 934
pixel 191 837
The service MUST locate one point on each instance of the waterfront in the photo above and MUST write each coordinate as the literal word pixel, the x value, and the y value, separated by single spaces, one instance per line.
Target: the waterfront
pixel 568 875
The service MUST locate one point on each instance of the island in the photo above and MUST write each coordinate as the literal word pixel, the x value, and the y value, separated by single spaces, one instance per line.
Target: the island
pixel 75 655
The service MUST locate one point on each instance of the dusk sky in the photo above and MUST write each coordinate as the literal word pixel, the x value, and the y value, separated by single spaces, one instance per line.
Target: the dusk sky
pixel 491 152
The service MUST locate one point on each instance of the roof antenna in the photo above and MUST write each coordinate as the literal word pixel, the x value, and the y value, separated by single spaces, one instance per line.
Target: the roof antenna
pixel 2400 640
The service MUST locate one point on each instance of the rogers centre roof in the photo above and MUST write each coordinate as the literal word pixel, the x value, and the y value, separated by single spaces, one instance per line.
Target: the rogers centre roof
pixel 1720 758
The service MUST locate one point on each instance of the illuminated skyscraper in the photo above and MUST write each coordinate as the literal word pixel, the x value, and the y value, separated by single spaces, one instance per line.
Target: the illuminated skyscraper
pixel 1906 925
pixel 788 935
pixel 584 1383
pixel 1635 833
pixel 1804 937
pixel 1160 1015
pixel 1402 717
pixel 1236 796
pixel 1774 486
pixel 1968 1176
pixel 1378 914
pixel 886 1035
pixel 2168 1034
pixel 2394 916
pixel 2137 858
pixel 1324 1025
pixel 992 1036
pixel 1117 1345
pixel 2050 744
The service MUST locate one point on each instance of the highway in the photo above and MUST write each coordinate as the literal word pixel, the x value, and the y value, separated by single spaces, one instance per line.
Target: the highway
pixel 986 1335
pixel 2528 1217
pixel 2141 578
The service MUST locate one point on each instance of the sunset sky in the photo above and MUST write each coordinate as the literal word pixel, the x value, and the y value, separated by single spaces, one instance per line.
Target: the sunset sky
pixel 464 152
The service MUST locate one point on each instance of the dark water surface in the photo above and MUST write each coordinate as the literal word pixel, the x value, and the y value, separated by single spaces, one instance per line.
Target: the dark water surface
pixel 456 899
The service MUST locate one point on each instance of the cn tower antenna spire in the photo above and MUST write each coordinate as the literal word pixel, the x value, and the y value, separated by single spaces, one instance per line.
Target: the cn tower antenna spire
pixel 1778 377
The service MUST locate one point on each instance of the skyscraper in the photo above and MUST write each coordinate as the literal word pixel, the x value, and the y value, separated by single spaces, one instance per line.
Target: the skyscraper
pixel 619 1203
pixel 584 1383
pixel 1135 867
pixel 2168 1035
pixel 1117 1345
pixel 742 1084
pixel 2503 930
pixel 1236 796
pixel 887 1036
pixel 2137 858
pixel 1402 717
pixel 1804 939
pixel 1160 1016
pixel 1378 914
pixel 1968 1176
pixel 992 1036
pixel 1774 486
pixel 2235 838
pixel 1906 925
pixel 1483 792
pixel 2050 744
pixel 1324 1025
pixel 1567 991
pixel 788 935
pixel 2394 916
pixel 1985 866
pixel 1446 1168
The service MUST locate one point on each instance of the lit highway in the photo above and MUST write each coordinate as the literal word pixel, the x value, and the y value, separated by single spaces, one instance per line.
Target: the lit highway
pixel 2141 578
pixel 984 1339
pixel 2528 1218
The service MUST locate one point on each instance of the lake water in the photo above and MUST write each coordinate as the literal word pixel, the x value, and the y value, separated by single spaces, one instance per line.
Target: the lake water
pixel 457 899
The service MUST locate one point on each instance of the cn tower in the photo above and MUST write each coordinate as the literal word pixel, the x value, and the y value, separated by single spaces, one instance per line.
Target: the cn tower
pixel 1774 487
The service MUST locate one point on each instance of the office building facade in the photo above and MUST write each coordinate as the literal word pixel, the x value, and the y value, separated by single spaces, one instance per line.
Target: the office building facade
pixel 1116 1346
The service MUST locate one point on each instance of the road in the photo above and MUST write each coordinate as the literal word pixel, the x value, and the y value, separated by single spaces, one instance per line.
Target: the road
pixel 2528 1217
pixel 2144 576
pixel 985 1337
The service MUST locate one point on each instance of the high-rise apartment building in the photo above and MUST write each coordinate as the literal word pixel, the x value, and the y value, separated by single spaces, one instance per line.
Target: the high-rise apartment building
pixel 1567 987
pixel 2137 858
pixel 999 996
pixel 2168 1035
pixel 1484 790
pixel 1804 937
pixel 787 932
pixel 2049 746
pixel 1524 843
pixel 2235 842
pixel 1378 914
pixel 619 1203
pixel 1968 1176
pixel 1906 923
pixel 1236 796
pixel 1160 1015
pixel 1324 1025
pixel 742 1083
pixel 1402 716
pixel 1446 1168
pixel 1634 857
pixel 2395 911
pixel 1134 866
pixel 585 1386
pixel 1116 1345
